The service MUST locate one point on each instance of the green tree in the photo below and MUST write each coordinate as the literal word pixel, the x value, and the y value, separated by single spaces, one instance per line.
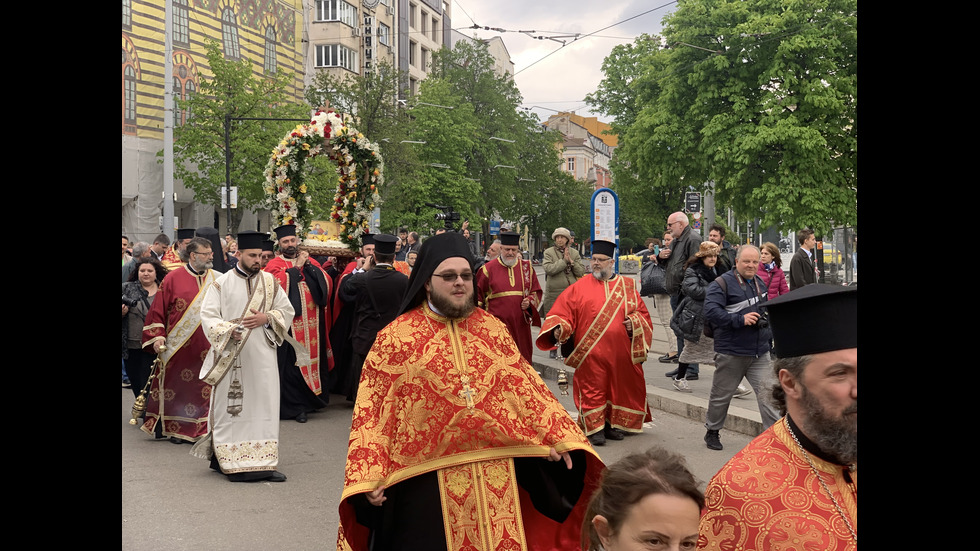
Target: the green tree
pixel 234 90
pixel 759 96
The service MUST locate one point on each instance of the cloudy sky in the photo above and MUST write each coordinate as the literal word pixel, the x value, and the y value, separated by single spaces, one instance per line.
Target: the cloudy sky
pixel 560 81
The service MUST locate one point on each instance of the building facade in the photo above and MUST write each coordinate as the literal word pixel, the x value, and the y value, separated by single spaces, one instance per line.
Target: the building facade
pixel 349 37
pixel 266 32
pixel 586 147
pixel 424 26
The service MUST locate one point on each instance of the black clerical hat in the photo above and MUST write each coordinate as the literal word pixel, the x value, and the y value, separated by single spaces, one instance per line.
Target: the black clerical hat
pixel 384 243
pixel 251 240
pixel 509 239
pixel 607 248
pixel 287 230
pixel 185 233
pixel 367 239
pixel 267 245
pixel 812 319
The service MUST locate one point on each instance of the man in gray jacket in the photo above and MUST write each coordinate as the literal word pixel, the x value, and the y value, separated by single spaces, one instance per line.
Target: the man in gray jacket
pixel 686 243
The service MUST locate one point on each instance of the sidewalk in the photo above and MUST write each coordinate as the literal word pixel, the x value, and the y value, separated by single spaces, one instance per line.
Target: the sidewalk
pixel 743 413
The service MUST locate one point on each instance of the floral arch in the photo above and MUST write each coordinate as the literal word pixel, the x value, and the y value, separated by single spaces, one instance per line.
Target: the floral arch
pixel 359 165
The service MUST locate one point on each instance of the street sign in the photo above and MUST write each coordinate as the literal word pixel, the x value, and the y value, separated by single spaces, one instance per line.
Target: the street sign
pixel 234 197
pixel 494 227
pixel 605 219
pixel 692 201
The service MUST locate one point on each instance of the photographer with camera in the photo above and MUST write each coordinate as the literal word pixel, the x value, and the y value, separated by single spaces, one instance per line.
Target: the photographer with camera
pixel 732 307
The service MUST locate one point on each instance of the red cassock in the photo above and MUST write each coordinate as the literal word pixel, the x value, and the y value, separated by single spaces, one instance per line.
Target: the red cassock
pixel 500 291
pixel 309 316
pixel 177 397
pixel 608 384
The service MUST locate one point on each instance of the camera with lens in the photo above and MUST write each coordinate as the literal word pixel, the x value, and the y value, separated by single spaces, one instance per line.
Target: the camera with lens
pixel 130 302
pixel 763 320
pixel 448 215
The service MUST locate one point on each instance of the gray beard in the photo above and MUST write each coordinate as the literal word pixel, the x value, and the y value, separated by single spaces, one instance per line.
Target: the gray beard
pixel 834 435
pixel 202 266
pixel 509 263
pixel 601 275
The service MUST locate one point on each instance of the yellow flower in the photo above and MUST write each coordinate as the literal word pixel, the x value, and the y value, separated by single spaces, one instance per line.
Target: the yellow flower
pixel 302 188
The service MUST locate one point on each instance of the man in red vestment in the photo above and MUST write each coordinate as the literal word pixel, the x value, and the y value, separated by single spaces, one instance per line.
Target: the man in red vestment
pixel 456 443
pixel 508 288
pixel 607 320
pixel 309 291
pixel 176 255
pixel 178 401
pixel 795 485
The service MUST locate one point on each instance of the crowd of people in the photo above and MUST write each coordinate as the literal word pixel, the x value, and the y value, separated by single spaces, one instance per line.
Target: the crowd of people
pixel 432 345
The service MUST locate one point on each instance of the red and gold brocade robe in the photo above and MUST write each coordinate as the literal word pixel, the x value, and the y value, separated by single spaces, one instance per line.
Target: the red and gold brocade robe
pixel 171 258
pixel 456 398
pixel 500 291
pixel 309 316
pixel 177 397
pixel 768 497
pixel 608 384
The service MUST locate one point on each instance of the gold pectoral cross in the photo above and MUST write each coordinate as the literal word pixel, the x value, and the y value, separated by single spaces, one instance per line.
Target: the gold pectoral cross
pixel 468 392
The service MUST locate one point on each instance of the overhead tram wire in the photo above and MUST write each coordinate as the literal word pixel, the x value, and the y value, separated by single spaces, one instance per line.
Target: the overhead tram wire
pixel 596 32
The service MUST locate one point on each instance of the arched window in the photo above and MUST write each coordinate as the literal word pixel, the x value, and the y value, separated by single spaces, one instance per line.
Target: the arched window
pixel 185 73
pixel 270 51
pixel 130 76
pixel 229 33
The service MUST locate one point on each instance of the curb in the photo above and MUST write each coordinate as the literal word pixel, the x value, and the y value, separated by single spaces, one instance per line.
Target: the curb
pixel 742 420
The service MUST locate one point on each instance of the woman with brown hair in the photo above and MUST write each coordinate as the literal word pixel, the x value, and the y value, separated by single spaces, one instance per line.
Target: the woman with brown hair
pixel 138 294
pixel 771 271
pixel 647 500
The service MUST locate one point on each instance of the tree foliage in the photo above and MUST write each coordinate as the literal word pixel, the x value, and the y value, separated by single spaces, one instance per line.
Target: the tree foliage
pixel 199 145
pixel 759 96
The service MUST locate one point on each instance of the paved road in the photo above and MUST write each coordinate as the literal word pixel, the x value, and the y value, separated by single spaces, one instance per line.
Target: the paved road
pixel 172 501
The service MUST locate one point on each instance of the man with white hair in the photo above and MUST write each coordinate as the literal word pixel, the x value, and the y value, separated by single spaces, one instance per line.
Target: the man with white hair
pixel 606 319
pixel 686 243
pixel 733 307
pixel 508 288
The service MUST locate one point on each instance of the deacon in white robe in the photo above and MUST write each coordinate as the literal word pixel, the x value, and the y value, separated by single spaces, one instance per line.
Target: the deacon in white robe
pixel 245 315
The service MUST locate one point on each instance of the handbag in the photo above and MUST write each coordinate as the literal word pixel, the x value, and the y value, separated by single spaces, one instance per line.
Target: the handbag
pixel 652 279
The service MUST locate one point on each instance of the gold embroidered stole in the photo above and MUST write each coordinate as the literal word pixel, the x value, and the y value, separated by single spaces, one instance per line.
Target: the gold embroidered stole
pixel 481 507
pixel 638 344
pixel 614 298
pixel 226 350
pixel 184 329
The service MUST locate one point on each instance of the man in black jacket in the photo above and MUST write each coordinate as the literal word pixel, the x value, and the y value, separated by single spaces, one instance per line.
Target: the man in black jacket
pixel 376 294
pixel 733 306
pixel 802 270
pixel 686 243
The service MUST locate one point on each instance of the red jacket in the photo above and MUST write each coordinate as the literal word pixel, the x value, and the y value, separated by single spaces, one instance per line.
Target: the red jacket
pixel 775 280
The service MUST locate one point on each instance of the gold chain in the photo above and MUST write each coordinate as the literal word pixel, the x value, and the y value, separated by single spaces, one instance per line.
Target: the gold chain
pixel 823 484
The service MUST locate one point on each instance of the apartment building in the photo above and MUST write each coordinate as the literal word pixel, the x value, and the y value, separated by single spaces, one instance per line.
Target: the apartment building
pixel 348 37
pixel 424 26
pixel 266 32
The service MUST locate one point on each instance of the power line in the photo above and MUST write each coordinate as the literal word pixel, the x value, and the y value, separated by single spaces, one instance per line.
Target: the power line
pixel 596 32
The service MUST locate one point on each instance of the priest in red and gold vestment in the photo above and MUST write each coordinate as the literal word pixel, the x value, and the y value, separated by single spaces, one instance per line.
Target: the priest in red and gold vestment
pixel 508 288
pixel 794 486
pixel 455 442
pixel 309 292
pixel 172 258
pixel 609 324
pixel 177 403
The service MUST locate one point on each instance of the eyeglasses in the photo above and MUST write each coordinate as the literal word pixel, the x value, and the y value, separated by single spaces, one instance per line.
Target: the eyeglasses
pixel 450 277
pixel 669 224
pixel 204 254
pixel 594 259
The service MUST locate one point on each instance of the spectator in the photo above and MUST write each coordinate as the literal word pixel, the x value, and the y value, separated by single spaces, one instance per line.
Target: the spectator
pixel 140 290
pixel 688 319
pixel 661 303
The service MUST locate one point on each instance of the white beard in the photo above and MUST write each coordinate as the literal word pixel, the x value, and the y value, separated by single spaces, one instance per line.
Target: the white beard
pixel 509 263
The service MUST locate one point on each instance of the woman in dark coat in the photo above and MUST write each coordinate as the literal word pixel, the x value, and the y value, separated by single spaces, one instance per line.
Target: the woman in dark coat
pixel 139 291
pixel 688 318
